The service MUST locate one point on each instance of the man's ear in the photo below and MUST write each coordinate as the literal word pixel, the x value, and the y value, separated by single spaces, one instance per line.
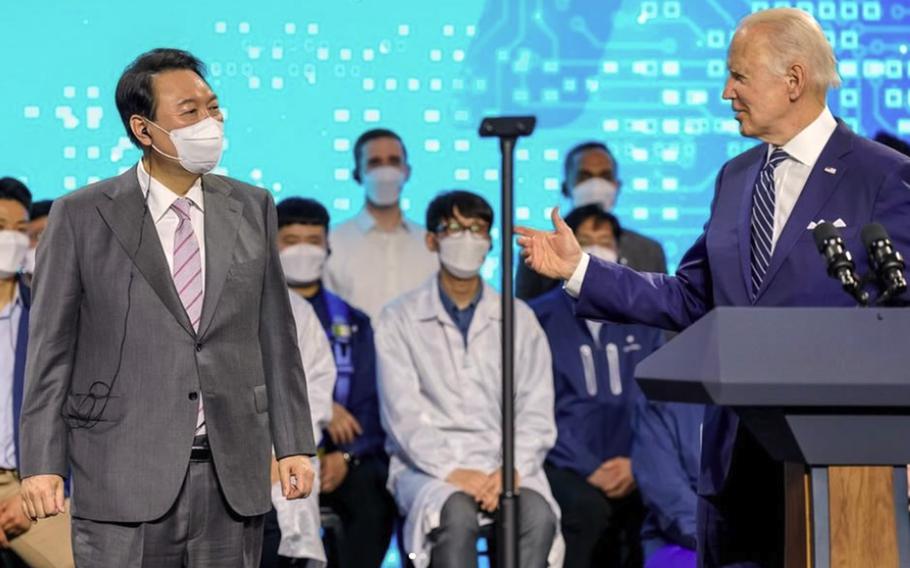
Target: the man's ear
pixel 432 242
pixel 139 128
pixel 797 80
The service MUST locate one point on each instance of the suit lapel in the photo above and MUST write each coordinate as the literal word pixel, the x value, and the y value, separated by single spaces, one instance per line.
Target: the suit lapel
pixel 222 221
pixel 123 214
pixel 819 188
pixel 746 178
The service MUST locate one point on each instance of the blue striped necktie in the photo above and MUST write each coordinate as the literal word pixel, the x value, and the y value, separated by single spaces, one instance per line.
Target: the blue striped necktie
pixel 763 219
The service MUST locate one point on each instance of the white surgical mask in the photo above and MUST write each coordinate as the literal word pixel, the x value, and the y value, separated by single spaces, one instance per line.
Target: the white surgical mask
pixel 601 252
pixel 595 190
pixel 463 254
pixel 28 265
pixel 302 263
pixel 383 185
pixel 13 248
pixel 198 146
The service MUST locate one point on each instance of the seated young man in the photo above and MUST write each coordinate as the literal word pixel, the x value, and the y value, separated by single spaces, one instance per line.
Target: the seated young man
pixel 666 450
pixel 440 390
pixel 353 467
pixel 593 370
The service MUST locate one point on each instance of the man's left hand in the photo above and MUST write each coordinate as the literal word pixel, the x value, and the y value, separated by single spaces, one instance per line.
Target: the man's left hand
pixel 296 475
pixel 13 520
pixel 619 477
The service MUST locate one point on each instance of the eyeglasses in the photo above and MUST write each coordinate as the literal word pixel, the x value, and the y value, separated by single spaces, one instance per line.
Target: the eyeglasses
pixel 453 227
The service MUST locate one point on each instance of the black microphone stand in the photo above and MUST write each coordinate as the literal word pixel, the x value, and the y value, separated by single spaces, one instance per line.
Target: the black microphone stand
pixel 508 129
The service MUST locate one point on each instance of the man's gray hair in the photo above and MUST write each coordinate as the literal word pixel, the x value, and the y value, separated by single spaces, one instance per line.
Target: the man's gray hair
pixel 796 36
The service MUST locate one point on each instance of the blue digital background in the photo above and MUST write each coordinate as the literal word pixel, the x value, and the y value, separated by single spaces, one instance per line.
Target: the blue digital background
pixel 301 79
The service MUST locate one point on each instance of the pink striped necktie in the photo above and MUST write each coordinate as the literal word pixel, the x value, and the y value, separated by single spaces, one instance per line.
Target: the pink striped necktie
pixel 188 276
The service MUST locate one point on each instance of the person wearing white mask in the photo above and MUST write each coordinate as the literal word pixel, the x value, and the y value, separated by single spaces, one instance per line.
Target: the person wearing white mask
pixel 589 468
pixel 353 465
pixel 379 253
pixel 439 349
pixel 38 213
pixel 162 342
pixel 590 177
pixel 48 544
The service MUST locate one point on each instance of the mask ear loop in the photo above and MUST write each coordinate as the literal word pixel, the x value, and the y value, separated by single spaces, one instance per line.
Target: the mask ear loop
pixel 89 408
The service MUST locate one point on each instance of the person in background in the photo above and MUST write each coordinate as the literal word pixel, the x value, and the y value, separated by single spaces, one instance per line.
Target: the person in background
pixel 353 463
pixel 47 544
pixel 440 386
pixel 292 529
pixel 589 468
pixel 37 223
pixel 591 177
pixel 666 448
pixel 379 254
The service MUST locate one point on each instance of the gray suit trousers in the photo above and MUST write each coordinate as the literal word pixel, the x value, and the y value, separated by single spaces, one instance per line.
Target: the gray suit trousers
pixel 199 531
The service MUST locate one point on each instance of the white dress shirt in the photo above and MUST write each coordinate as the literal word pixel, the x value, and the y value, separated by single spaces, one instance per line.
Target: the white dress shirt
pixel 369 267
pixel 9 333
pixel 790 178
pixel 160 199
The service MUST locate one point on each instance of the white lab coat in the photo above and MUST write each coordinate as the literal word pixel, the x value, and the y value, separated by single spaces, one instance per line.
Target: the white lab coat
pixel 441 404
pixel 299 519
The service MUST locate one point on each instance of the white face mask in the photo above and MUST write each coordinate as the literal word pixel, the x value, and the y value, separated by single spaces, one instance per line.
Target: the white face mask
pixel 602 252
pixel 463 254
pixel 198 145
pixel 595 190
pixel 28 265
pixel 302 263
pixel 383 185
pixel 13 248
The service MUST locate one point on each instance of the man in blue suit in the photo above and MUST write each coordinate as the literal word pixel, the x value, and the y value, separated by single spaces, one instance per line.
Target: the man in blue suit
pixel 756 250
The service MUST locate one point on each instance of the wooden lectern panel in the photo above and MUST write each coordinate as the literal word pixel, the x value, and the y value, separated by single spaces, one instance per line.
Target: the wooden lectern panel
pixel 862 522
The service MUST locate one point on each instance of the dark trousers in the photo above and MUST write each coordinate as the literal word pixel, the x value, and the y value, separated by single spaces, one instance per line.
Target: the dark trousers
pixel 599 531
pixel 743 526
pixel 367 513
pixel 200 531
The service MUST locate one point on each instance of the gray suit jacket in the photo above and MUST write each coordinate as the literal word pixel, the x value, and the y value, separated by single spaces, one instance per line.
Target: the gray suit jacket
pixel 128 453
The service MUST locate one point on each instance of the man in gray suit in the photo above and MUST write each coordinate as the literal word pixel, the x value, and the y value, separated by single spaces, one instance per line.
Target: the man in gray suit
pixel 591 177
pixel 163 363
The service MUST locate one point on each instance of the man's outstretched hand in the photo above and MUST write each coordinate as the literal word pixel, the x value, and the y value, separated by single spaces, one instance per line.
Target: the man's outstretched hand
pixel 555 254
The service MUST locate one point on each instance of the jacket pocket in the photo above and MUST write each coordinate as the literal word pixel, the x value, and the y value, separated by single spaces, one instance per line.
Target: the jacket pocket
pixel 261 397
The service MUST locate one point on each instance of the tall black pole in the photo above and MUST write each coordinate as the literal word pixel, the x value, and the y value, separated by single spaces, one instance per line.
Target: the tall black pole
pixel 508 525
pixel 508 130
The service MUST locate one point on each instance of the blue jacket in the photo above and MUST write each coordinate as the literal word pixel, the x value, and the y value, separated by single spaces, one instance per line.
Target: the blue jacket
pixel 855 180
pixel 363 400
pixel 665 460
pixel 25 293
pixel 594 403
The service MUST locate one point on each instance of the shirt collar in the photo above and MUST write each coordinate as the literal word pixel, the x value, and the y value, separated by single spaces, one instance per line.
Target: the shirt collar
pixel 807 146
pixel 366 223
pixel 450 306
pixel 161 198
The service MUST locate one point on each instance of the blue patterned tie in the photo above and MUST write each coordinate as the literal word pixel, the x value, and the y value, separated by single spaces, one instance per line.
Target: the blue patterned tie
pixel 763 219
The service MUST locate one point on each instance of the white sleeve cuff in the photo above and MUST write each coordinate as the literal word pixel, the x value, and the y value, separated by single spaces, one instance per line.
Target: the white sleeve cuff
pixel 573 284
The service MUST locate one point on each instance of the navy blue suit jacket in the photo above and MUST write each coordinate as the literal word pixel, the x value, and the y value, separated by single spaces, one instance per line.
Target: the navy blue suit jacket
pixel 25 294
pixel 855 180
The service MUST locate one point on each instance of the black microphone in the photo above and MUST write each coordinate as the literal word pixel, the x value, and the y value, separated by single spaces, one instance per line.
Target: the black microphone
pixel 887 263
pixel 830 244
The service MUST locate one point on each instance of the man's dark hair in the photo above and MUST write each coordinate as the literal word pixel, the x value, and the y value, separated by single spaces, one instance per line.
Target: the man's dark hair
pixel 893 142
pixel 469 205
pixel 134 89
pixel 367 137
pixel 594 211
pixel 11 188
pixel 575 152
pixel 302 211
pixel 40 209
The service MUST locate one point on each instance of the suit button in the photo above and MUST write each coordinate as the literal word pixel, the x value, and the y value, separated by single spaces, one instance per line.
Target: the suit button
pixel 198 347
pixel 193 396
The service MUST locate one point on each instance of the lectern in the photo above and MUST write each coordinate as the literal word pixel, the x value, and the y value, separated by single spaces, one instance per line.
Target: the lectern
pixel 825 390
